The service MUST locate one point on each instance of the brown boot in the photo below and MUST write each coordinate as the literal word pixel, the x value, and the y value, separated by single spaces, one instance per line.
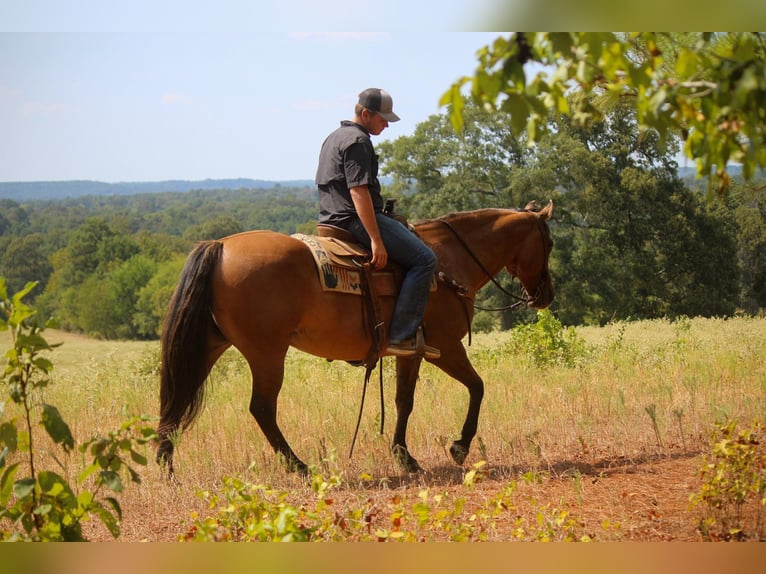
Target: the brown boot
pixel 409 348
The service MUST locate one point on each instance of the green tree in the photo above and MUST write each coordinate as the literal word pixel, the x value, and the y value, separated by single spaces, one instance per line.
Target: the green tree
pixel 154 298
pixel 749 212
pixel 631 240
pixel 23 260
pixel 708 89
pixel 213 229
pixel 450 171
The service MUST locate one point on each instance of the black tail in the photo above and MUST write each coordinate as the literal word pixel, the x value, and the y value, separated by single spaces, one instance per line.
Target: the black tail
pixel 184 341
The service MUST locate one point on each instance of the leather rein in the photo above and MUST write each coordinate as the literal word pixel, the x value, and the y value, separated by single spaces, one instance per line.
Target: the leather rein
pixel 520 300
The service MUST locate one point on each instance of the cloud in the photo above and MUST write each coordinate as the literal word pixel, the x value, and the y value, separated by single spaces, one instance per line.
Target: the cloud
pixel 338 36
pixel 42 107
pixel 173 99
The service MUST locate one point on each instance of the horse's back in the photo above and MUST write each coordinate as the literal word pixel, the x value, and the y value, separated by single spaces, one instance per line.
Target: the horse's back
pixel 267 294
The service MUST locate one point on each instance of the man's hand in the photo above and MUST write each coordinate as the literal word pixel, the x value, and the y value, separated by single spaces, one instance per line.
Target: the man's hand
pixel 363 205
pixel 379 255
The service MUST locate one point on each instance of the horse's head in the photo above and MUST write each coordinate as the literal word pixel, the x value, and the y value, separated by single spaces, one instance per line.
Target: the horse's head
pixel 531 267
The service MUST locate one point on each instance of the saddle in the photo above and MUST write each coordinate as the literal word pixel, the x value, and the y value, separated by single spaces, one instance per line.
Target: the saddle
pixel 343 265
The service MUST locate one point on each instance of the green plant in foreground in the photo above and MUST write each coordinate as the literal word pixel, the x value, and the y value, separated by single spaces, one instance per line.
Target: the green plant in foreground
pixel 247 512
pixel 733 485
pixel 43 506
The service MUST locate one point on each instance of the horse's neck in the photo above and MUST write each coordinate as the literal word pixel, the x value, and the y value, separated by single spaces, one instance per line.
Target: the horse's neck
pixel 490 236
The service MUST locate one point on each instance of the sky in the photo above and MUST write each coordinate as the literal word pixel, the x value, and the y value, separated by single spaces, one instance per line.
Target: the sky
pixel 147 90
pixel 149 106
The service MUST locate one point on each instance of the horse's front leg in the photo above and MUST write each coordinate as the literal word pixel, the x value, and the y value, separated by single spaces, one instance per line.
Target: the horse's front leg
pixel 406 377
pixel 455 363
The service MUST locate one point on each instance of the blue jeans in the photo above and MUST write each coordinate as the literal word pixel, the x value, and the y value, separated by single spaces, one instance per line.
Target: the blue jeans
pixel 418 261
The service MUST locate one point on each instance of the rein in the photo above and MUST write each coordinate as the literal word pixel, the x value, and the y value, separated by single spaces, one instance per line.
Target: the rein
pixel 519 300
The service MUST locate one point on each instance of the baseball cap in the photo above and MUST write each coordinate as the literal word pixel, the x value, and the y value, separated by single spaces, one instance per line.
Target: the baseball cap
pixel 379 101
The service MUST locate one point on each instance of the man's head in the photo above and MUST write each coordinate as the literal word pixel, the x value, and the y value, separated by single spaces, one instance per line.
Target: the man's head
pixel 374 110
pixel 378 101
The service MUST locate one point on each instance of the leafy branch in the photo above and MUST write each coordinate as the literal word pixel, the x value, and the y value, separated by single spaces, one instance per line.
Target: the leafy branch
pixel 43 506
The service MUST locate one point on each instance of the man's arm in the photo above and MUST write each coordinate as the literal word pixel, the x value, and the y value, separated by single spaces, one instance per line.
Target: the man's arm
pixel 363 204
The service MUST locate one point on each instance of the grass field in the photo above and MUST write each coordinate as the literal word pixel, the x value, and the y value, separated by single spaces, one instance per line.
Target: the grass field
pixel 614 437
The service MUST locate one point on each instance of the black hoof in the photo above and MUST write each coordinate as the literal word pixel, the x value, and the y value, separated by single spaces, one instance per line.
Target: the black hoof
pixel 458 452
pixel 298 467
pixel 165 459
pixel 405 460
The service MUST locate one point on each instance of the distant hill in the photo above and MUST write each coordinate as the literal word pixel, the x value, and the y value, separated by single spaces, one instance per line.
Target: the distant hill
pixel 35 190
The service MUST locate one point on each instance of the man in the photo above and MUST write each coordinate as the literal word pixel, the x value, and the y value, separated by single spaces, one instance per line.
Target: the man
pixel 349 197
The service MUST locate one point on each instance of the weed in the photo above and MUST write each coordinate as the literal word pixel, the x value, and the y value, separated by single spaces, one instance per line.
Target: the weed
pixel 733 485
pixel 547 342
pixel 44 506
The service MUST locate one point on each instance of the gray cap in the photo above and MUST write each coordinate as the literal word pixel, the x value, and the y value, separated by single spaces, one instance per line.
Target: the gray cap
pixel 379 101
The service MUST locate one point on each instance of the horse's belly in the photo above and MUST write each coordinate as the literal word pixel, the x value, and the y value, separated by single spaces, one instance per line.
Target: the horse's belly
pixel 338 329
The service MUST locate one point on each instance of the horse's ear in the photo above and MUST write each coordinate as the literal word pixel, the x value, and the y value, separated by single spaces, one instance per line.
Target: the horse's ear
pixel 547 211
pixel 529 206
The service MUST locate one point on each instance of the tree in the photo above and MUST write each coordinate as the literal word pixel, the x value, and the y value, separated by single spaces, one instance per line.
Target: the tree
pixel 23 260
pixel 706 88
pixel 454 172
pixel 631 240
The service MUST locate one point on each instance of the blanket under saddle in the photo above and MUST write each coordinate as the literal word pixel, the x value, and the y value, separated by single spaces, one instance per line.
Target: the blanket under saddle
pixel 338 263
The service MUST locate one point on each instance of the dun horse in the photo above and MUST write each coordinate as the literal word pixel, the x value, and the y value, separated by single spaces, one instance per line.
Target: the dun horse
pixel 260 292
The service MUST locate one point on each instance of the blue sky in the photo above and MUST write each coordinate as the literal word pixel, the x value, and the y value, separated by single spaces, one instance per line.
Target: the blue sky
pixel 145 106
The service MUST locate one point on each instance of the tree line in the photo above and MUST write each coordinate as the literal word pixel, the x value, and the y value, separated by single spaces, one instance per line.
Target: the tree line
pixel 632 239
pixel 107 265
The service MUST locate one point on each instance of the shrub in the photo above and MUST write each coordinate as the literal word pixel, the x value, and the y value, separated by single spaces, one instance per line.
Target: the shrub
pixel 733 485
pixel 43 506
pixel 547 342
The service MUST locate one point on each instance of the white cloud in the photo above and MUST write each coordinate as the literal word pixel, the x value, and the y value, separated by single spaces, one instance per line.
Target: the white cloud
pixel 338 36
pixel 173 99
pixel 43 107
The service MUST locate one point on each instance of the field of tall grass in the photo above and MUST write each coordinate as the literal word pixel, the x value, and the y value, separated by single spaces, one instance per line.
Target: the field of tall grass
pixel 610 396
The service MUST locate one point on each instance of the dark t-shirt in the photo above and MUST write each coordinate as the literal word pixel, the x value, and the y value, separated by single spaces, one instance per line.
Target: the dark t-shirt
pixel 347 160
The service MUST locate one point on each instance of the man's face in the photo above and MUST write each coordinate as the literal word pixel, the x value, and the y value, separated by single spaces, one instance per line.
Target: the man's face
pixel 374 122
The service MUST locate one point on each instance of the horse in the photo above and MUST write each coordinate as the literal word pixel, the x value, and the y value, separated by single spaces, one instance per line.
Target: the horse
pixel 259 291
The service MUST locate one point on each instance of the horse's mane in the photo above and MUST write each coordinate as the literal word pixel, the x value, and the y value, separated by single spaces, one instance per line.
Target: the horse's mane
pixel 462 214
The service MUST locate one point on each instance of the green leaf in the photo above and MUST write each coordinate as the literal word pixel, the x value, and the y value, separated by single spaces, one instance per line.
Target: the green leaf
pixel 115 504
pixel 138 458
pixel 18 296
pixel 6 483
pixel 43 509
pixel 24 487
pixel 111 479
pixel 110 520
pixel 9 436
pixel 56 428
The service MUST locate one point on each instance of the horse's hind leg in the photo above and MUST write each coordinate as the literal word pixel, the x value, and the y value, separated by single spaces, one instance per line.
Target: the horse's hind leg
pixel 268 374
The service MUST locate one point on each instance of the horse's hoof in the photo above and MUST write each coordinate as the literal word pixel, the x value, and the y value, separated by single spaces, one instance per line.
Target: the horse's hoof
pixel 299 467
pixel 458 453
pixel 165 459
pixel 405 460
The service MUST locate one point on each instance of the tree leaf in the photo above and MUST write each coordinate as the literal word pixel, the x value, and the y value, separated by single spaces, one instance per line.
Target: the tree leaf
pixel 6 483
pixel 111 479
pixel 24 487
pixel 56 428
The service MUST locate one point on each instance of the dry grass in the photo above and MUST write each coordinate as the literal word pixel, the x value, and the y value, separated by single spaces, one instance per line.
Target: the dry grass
pixel 583 434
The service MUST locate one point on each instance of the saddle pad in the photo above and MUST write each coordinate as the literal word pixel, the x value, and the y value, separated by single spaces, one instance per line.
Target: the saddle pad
pixel 338 272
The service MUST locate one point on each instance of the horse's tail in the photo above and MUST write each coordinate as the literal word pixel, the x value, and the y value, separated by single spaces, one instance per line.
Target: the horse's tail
pixel 184 344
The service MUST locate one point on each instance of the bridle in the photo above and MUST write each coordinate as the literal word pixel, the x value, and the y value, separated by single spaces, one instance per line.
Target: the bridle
pixel 525 299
